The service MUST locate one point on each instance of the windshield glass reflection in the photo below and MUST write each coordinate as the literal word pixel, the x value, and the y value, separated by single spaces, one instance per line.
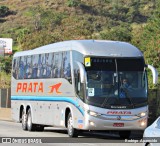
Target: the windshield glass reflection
pixel 117 87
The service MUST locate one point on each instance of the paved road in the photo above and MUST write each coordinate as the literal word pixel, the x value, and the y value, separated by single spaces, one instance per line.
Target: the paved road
pixel 55 136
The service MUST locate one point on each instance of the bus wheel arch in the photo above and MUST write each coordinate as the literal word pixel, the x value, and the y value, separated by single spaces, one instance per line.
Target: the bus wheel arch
pixel 21 113
pixel 72 132
pixel 27 108
pixel 66 115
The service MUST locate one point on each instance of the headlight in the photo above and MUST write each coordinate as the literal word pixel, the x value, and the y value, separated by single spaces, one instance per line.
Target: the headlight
pixel 143 122
pixel 93 113
pixel 142 114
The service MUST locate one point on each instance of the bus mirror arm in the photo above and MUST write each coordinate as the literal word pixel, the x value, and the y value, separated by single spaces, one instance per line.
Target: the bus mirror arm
pixel 154 74
pixel 83 75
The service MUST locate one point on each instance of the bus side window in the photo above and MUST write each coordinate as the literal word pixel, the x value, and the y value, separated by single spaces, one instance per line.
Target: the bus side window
pixel 35 66
pixel 29 67
pixel 14 69
pixel 46 66
pixel 79 86
pixel 40 67
pixel 56 65
pixel 66 66
pixel 21 68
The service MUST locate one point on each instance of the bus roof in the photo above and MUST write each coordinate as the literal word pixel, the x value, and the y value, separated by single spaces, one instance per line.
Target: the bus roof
pixel 89 48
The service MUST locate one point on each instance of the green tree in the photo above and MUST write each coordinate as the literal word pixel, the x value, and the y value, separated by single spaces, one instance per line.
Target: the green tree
pixel 118 33
pixel 73 3
pixel 6 64
pixel 4 11
pixel 21 34
pixel 150 41
pixel 45 19
pixel 5 80
pixel 133 12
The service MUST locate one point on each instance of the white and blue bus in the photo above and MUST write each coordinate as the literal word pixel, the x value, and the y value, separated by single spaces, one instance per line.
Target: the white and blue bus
pixel 81 85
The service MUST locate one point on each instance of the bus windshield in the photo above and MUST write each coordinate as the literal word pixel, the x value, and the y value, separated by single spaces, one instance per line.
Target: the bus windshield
pixel 116 83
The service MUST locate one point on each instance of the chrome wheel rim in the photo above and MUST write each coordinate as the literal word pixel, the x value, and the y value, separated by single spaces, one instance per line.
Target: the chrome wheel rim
pixel 24 119
pixel 29 120
pixel 70 125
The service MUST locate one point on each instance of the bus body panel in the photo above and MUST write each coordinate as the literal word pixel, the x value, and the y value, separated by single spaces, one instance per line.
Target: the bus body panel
pixel 47 112
pixel 47 108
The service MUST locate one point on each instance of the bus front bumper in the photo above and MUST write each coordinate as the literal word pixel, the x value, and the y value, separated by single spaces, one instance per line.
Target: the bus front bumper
pixel 119 123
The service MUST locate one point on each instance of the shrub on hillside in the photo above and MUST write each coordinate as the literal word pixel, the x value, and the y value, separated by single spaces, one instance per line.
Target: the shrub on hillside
pixel 4 11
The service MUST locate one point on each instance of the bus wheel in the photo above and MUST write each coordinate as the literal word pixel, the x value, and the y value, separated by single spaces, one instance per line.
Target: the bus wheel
pixel 30 125
pixel 124 134
pixel 24 120
pixel 147 144
pixel 72 132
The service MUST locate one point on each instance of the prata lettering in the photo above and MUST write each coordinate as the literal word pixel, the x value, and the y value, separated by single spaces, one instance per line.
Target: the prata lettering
pixel 119 112
pixel 30 87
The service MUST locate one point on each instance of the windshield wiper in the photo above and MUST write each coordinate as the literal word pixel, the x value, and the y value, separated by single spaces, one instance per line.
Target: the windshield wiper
pixel 128 97
pixel 105 101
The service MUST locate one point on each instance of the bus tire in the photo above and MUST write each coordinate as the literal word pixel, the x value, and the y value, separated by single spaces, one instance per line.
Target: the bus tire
pixel 72 132
pixel 24 120
pixel 147 144
pixel 30 125
pixel 124 134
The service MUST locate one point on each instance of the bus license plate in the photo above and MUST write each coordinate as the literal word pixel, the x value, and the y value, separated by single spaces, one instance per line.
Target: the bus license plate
pixel 118 124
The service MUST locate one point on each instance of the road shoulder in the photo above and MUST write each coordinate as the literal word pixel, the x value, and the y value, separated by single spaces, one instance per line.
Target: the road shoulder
pixel 5 114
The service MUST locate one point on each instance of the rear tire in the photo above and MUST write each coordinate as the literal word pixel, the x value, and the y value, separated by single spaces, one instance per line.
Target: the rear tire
pixel 147 144
pixel 30 125
pixel 72 132
pixel 24 120
pixel 124 134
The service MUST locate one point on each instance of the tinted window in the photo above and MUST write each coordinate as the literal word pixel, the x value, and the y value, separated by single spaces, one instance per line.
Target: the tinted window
pixel 130 64
pixel 66 66
pixel 49 65
pixel 56 66
pixel 108 64
pixel 35 66
pixel 27 67
pixel 102 64
pixel 14 69
pixel 78 86
pixel 20 67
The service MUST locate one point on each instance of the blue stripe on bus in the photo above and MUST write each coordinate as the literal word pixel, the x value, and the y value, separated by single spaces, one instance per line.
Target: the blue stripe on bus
pixel 49 98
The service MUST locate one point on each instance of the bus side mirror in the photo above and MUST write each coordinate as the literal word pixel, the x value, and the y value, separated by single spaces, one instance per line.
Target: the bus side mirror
pixel 154 74
pixel 83 75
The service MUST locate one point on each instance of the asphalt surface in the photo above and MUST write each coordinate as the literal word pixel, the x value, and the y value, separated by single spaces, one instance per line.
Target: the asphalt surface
pixel 11 132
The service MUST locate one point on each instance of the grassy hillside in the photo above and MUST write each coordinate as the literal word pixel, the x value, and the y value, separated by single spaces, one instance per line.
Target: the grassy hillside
pixel 33 23
pixel 47 21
